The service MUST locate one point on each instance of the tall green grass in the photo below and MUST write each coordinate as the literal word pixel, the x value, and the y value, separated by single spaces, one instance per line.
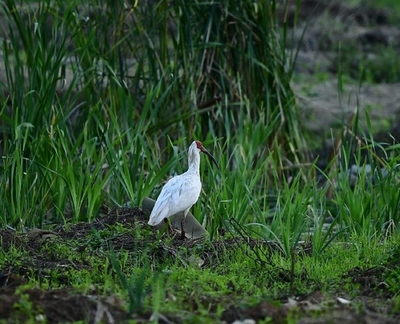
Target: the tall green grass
pixel 96 92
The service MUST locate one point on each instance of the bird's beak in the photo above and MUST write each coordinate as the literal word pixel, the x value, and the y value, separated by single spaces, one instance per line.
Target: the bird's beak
pixel 210 156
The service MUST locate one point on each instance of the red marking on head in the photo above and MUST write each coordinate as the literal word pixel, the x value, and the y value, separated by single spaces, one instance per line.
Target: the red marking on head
pixel 199 145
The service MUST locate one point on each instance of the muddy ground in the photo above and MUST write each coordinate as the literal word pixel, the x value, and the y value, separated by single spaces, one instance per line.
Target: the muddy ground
pixel 65 305
pixel 366 35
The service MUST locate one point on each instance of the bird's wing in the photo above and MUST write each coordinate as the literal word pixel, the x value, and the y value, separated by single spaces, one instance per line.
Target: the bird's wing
pixel 179 194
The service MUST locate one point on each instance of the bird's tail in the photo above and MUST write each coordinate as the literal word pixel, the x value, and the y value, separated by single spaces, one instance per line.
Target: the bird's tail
pixel 157 218
pixel 153 222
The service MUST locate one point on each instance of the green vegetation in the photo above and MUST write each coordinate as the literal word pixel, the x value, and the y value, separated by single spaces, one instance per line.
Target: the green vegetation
pixel 393 4
pixel 378 64
pixel 236 274
pixel 101 101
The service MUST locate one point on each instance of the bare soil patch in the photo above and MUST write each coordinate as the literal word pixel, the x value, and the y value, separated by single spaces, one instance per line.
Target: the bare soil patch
pixel 333 36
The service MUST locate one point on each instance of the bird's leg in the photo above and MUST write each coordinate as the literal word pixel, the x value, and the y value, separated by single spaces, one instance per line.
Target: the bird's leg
pixel 183 235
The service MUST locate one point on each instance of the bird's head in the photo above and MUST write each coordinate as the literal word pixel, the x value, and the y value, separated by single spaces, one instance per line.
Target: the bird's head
pixel 201 148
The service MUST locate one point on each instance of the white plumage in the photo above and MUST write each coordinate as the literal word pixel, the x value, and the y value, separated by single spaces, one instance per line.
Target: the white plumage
pixel 181 192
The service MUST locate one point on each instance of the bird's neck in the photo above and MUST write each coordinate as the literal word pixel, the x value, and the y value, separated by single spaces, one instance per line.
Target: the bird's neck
pixel 194 161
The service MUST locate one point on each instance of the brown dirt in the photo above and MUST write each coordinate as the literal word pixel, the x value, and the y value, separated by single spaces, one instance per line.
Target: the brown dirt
pixel 361 31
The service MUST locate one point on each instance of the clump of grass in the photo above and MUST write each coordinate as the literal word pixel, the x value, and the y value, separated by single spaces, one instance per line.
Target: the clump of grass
pixel 375 65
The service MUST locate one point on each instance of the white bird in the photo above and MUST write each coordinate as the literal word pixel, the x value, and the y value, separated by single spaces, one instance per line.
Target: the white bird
pixel 181 192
